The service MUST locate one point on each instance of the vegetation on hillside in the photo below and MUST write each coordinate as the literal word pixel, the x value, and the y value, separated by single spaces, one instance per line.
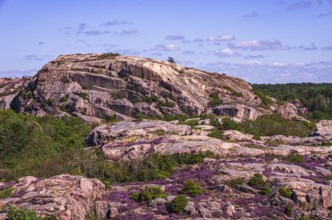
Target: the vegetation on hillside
pixel 316 97
pixel 265 125
pixel 48 146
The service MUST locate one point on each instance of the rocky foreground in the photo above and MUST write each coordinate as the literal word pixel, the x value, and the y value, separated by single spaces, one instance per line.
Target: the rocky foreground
pixel 244 179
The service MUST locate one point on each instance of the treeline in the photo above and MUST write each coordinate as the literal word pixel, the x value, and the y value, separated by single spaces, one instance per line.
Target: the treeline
pixel 316 97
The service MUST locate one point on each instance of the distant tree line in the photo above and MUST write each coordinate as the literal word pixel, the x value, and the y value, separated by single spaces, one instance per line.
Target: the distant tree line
pixel 316 97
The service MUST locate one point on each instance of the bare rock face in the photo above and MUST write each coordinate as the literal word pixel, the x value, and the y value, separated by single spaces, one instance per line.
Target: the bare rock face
pixel 94 87
pixel 65 196
pixel 9 88
pixel 133 140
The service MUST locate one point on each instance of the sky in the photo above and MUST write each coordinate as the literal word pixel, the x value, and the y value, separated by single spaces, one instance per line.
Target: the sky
pixel 261 41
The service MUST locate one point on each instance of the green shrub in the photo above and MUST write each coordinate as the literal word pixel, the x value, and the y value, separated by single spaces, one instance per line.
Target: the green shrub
pixel 288 210
pixel 111 118
pixel 84 95
pixel 329 177
pixel 108 55
pixel 236 181
pixel 50 102
pixel 151 99
pixel 256 180
pixel 229 124
pixel 64 98
pixel 295 158
pixel 233 92
pixel 327 143
pixel 6 193
pixel 178 204
pixel 65 80
pixel 275 124
pixel 21 214
pixel 159 132
pixel 285 192
pixel 27 142
pixel 148 194
pixel 107 183
pixel 116 95
pixel 216 133
pixel 193 188
pixel 214 99
pixel 266 102
pixel 191 122
pixel 266 189
pixel 166 104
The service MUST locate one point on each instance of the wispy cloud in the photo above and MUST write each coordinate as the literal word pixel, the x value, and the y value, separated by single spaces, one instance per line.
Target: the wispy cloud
pixel 174 37
pixel 127 32
pixel 259 45
pixel 115 22
pixel 166 47
pixel 303 4
pixel 227 52
pixel 309 48
pixel 252 14
pixel 33 57
pixel 82 29
pixel 41 42
pixel 220 38
pixel 188 52
pixel 327 48
pixel 277 72
pixel 327 14
pixel 83 42
pixel 259 56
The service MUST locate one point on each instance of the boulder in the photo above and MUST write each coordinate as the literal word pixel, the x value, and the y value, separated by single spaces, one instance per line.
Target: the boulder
pixel 65 196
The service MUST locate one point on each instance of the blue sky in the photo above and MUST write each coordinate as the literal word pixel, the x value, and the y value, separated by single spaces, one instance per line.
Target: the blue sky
pixel 261 41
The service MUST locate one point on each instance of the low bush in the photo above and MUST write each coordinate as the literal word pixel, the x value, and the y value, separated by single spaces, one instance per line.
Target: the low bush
pixel 178 204
pixel 193 188
pixel 256 180
pixel 295 158
pixel 214 99
pixel 148 194
pixel 285 192
pixel 268 125
pixel 22 214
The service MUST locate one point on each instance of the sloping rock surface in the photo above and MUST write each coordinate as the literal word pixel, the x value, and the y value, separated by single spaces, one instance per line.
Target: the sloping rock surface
pixel 95 87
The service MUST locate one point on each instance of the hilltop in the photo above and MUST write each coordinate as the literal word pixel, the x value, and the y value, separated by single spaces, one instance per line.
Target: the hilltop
pixel 108 86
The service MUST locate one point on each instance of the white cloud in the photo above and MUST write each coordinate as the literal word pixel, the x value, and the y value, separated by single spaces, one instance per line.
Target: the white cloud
pixel 227 52
pixel 221 38
pixel 259 45
pixel 166 47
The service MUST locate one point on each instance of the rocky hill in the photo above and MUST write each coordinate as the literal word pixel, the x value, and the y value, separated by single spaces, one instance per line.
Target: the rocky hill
pixel 180 158
pixel 106 86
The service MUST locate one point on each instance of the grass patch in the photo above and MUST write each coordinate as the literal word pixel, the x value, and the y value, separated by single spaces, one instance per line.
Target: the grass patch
pixel 233 92
pixel 6 193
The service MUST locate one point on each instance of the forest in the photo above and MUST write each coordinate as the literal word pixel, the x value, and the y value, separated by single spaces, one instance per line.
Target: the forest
pixel 316 97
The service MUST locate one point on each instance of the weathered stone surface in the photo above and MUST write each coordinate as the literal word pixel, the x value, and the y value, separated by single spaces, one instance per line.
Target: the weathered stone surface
pixel 96 86
pixel 65 196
